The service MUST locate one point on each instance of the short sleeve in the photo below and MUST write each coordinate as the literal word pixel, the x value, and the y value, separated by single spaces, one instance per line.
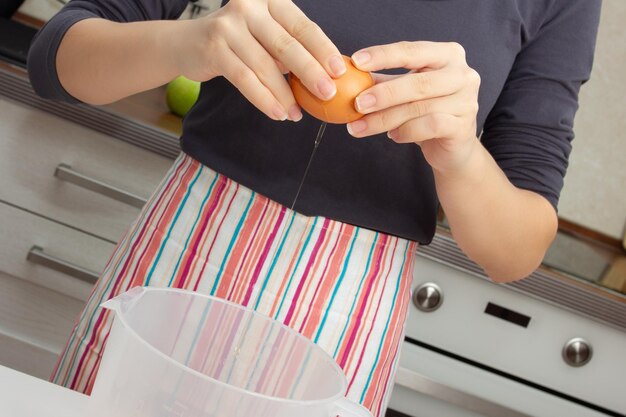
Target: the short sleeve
pixel 530 129
pixel 43 50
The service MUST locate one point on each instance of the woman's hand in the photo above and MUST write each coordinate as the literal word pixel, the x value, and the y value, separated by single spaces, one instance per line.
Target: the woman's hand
pixel 434 104
pixel 252 43
pixel 504 229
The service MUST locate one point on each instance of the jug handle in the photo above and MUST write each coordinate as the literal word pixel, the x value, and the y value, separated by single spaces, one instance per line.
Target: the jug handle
pixel 344 407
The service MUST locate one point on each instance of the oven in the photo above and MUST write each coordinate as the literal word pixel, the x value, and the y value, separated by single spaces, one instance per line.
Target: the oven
pixel 546 346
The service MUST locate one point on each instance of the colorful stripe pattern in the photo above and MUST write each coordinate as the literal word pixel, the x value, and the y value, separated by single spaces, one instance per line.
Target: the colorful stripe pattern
pixel 344 287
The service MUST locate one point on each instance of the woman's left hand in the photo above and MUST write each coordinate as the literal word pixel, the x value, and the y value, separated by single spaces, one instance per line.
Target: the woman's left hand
pixel 434 105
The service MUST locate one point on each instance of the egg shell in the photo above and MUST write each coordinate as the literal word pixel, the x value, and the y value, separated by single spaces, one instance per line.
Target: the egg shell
pixel 340 109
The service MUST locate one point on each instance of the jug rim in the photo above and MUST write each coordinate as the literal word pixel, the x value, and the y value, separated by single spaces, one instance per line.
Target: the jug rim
pixel 120 315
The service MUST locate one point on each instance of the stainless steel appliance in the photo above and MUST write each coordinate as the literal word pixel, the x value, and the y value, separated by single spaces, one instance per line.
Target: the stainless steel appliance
pixel 545 346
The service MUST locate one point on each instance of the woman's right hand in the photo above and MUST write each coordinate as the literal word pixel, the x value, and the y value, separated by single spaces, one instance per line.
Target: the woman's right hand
pixel 252 43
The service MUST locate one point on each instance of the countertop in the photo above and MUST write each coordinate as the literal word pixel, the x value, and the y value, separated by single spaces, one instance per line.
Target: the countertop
pixel 147 108
pixel 23 395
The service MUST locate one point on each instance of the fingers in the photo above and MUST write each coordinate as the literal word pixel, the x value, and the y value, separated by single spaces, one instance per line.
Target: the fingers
pixel 411 55
pixel 247 82
pixel 286 49
pixel 440 85
pixel 379 78
pixel 431 126
pixel 309 35
pixel 434 105
pixel 283 69
pixel 256 42
pixel 411 87
pixel 391 118
pixel 253 55
pixel 291 38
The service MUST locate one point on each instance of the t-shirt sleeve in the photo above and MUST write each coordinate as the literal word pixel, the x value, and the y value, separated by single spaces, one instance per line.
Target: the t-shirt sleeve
pixel 530 129
pixel 43 50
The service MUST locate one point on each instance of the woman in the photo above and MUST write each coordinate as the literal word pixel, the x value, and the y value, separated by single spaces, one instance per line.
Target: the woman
pixel 338 268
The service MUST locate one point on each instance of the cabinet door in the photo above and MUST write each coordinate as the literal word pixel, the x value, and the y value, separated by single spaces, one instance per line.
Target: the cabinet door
pixel 35 323
pixel 43 158
pixel 21 231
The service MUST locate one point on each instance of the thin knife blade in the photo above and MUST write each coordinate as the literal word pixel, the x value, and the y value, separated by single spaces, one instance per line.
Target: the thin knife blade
pixel 318 139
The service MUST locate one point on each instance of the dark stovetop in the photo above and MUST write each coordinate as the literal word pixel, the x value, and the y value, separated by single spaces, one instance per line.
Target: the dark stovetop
pixel 15 40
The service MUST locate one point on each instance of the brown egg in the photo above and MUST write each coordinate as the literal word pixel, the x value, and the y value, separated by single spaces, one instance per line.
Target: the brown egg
pixel 339 109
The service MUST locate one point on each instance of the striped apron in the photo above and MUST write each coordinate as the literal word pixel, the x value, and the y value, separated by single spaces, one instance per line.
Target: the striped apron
pixel 344 287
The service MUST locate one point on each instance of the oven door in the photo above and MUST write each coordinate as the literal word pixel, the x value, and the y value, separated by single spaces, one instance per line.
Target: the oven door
pixel 433 384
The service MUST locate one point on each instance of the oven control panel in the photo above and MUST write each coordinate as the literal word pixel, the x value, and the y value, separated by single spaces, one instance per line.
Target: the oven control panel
pixel 511 334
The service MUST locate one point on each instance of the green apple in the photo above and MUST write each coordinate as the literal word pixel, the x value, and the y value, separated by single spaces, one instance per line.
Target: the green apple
pixel 181 94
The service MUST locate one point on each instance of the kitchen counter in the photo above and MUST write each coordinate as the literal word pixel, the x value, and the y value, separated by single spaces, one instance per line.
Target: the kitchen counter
pixel 147 108
pixel 23 395
pixel 142 120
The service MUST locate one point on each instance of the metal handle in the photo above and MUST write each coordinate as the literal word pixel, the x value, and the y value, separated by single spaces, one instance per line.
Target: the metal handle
pixel 66 173
pixel 419 383
pixel 38 256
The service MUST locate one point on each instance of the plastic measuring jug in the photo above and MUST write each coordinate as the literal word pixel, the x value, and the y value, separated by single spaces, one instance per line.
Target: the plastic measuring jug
pixel 178 353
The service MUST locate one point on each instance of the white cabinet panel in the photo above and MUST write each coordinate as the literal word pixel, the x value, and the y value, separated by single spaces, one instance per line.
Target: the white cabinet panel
pixel 33 144
pixel 35 314
pixel 27 358
pixel 20 231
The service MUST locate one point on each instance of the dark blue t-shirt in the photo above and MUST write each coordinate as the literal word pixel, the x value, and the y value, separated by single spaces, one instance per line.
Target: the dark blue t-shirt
pixel 532 56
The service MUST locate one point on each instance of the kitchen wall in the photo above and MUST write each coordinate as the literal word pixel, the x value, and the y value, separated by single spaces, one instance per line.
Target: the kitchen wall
pixel 593 195
pixel 41 9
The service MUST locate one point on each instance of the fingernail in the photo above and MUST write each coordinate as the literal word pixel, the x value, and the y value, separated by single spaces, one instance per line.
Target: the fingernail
pixel 337 65
pixel 326 87
pixel 295 114
pixel 361 57
pixel 279 113
pixel 393 134
pixel 356 127
pixel 365 101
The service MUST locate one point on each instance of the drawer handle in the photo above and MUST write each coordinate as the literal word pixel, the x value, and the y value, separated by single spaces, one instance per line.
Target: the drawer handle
pixel 66 173
pixel 38 256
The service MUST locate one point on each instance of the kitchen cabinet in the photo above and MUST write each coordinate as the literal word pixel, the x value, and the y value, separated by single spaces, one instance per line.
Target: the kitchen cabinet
pixel 34 325
pixel 67 194
pixel 37 148
pixel 23 231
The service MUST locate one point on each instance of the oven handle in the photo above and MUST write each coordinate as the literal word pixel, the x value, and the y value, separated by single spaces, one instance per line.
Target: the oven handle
pixel 420 383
